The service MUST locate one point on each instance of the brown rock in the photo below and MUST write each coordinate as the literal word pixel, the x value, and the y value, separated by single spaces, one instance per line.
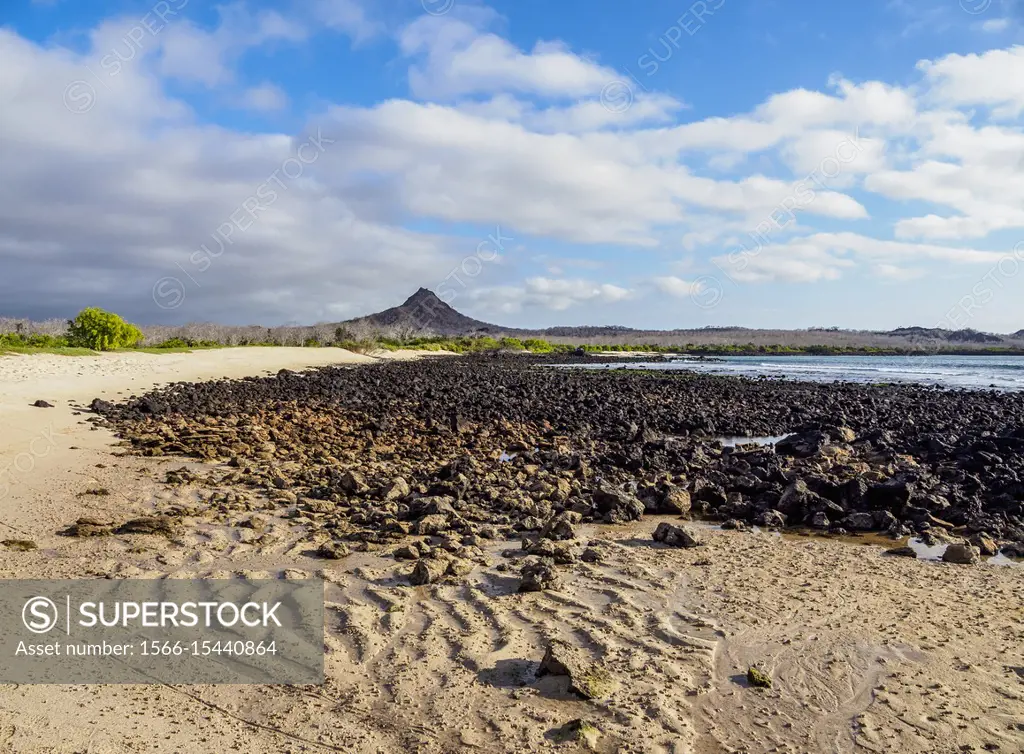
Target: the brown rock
pixel 149 525
pixel 560 526
pixel 407 552
pixel 674 536
pixel 89 527
pixel 396 489
pixel 586 678
pixel 961 553
pixel 333 550
pixel 538 577
pixel 675 501
pixel 435 523
pixel 427 572
pixel 901 552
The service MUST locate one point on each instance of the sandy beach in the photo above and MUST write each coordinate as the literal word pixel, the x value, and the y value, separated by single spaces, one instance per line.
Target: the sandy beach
pixel 866 652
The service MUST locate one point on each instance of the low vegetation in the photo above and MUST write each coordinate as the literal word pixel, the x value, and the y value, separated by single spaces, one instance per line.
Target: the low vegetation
pixel 96 330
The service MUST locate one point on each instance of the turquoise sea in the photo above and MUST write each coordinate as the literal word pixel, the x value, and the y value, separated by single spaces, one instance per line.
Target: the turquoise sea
pixel 975 372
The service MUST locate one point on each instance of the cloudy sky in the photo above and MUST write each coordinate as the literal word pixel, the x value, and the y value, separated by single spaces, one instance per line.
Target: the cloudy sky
pixel 786 163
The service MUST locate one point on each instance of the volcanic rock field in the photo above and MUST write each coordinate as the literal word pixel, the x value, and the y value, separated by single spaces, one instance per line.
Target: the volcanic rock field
pixel 508 446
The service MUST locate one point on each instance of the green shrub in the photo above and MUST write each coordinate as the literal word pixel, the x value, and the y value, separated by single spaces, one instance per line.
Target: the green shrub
pixel 102 331
pixel 536 345
pixel 17 340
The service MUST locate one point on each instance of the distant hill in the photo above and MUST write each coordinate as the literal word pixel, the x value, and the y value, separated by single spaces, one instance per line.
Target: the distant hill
pixel 423 310
pixel 953 336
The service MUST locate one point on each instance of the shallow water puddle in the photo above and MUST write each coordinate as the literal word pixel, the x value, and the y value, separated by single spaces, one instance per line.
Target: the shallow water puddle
pixel 923 551
pixel 731 441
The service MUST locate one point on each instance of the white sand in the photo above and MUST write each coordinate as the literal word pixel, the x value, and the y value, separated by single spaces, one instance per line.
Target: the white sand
pixel 35 455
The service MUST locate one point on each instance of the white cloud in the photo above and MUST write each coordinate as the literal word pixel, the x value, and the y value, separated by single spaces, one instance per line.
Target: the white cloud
pixel 111 199
pixel 266 97
pixel 675 286
pixel 995 25
pixel 895 272
pixel 98 206
pixel 825 256
pixel 348 16
pixel 994 78
pixel 459 59
pixel 549 293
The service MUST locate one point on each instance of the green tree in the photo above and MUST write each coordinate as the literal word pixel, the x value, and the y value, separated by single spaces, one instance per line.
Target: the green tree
pixel 102 331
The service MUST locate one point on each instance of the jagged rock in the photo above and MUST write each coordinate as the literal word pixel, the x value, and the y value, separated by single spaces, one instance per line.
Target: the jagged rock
pixel 396 489
pixel 441 504
pixel 458 567
pixel 802 444
pixel 770 519
pixel 582 732
pixel 256 522
pixel 42 404
pixel 758 678
pixel 88 527
pixel 353 482
pixel 842 434
pixel 675 501
pixel 859 522
pixel 961 553
pixel 986 545
pixel 333 550
pixel 560 526
pixel 538 577
pixel 561 552
pixel 1013 550
pixel 736 524
pixel 407 552
pixel 427 572
pixel 901 552
pixel 435 523
pixel 163 525
pixel 674 536
pixel 592 555
pixel 820 521
pixel 796 498
pixel 586 678
pixel 617 506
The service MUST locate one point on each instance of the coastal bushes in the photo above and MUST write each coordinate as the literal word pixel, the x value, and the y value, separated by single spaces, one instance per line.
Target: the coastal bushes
pixel 95 329
pixel 102 331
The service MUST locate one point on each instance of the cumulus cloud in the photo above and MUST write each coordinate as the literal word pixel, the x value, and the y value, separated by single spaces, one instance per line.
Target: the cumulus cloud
pixel 548 293
pixel 265 98
pixel 994 78
pixel 675 286
pixel 109 186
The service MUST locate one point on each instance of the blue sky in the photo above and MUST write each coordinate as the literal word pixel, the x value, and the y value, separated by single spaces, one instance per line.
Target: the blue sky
pixel 653 164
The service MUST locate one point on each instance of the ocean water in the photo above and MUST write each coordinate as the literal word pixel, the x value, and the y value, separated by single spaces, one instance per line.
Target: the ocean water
pixel 974 372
